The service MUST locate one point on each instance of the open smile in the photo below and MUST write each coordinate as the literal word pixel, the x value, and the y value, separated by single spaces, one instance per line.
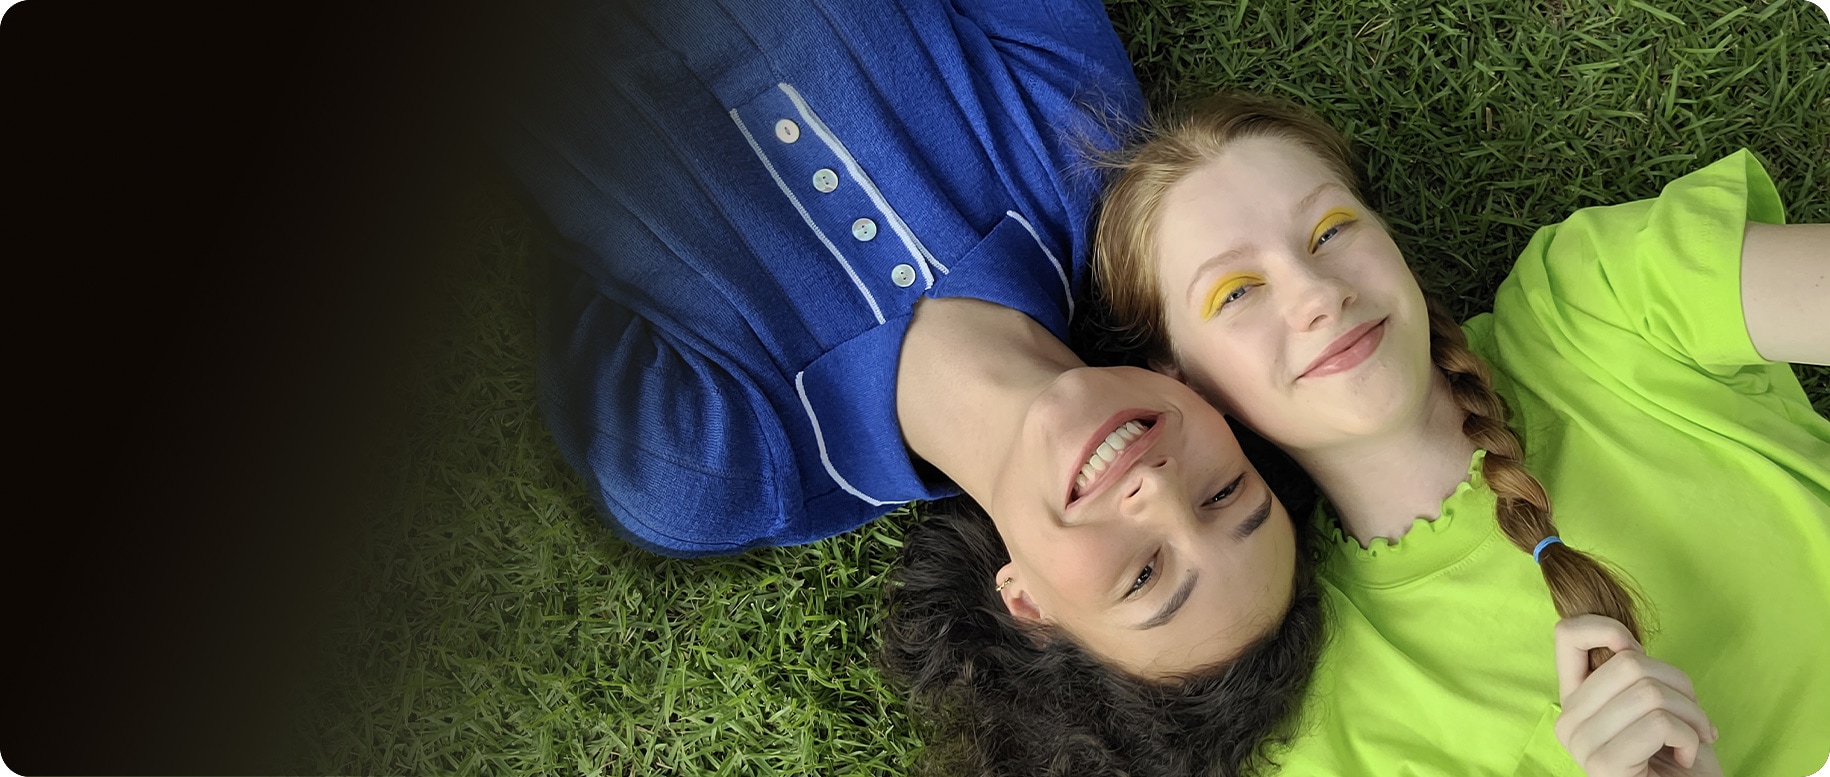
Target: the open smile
pixel 1114 448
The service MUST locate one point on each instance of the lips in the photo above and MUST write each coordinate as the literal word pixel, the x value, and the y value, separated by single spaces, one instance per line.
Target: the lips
pixel 1122 461
pixel 1347 351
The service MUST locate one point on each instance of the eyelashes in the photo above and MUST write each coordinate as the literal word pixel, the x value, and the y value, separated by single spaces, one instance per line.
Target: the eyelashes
pixel 1225 493
pixel 1325 229
pixel 1229 289
pixel 1143 577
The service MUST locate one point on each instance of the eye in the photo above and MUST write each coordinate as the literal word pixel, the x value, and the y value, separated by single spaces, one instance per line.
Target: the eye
pixel 1143 577
pixel 1229 290
pixel 1329 234
pixel 1330 227
pixel 1225 493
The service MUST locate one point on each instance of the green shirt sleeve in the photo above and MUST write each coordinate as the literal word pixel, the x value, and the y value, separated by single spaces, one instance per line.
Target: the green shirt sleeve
pixel 1663 273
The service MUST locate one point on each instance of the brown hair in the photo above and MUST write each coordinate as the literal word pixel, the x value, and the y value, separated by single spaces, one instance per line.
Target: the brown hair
pixel 1124 269
pixel 998 698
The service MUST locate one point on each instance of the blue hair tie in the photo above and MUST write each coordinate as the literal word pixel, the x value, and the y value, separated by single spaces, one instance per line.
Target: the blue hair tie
pixel 1538 551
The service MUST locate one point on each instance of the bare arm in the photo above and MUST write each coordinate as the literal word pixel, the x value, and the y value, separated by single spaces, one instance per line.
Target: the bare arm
pixel 1785 291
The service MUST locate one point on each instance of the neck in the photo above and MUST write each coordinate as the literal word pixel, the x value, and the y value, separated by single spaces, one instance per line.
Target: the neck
pixel 1382 483
pixel 968 373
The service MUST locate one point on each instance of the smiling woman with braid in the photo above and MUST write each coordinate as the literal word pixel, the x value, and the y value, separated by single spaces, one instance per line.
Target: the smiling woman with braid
pixel 1631 375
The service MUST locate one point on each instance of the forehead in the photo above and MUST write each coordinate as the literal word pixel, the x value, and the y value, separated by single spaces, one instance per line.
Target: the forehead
pixel 1250 186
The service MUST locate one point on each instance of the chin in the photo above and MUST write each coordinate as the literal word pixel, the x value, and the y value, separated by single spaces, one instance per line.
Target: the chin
pixel 1368 407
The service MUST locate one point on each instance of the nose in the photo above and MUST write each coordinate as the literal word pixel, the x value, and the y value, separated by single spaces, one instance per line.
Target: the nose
pixel 1147 484
pixel 1315 296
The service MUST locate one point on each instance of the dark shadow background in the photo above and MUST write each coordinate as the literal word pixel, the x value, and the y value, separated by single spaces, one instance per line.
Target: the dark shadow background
pixel 218 218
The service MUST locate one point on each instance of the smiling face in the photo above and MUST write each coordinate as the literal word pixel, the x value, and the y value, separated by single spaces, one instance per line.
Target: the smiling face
pixel 1135 523
pixel 1287 302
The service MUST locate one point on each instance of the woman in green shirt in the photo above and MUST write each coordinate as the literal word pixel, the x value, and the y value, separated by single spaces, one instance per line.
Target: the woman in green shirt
pixel 1632 374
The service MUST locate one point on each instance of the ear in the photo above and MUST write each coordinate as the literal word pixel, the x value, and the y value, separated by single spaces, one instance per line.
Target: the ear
pixel 1168 368
pixel 1016 596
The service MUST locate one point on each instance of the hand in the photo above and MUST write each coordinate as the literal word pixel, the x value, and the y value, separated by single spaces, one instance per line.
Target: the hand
pixel 1635 716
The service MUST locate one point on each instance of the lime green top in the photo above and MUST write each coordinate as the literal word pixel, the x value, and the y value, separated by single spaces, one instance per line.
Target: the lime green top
pixel 1670 449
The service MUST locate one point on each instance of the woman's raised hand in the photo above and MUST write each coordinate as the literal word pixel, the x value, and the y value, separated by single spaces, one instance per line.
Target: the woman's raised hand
pixel 1636 715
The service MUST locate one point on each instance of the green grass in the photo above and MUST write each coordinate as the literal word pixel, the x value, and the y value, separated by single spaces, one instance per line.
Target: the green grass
pixel 493 627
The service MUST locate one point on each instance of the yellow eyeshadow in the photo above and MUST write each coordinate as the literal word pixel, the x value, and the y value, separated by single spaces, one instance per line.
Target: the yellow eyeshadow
pixel 1329 220
pixel 1227 285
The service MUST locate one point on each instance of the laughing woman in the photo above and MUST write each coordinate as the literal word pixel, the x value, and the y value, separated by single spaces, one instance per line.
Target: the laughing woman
pixel 1622 428
pixel 813 260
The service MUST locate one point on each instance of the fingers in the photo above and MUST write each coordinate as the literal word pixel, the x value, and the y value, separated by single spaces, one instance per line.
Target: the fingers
pixel 1628 668
pixel 1617 719
pixel 1576 637
pixel 1629 752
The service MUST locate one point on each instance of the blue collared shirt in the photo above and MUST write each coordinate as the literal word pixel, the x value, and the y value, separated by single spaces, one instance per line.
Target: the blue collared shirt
pixel 750 197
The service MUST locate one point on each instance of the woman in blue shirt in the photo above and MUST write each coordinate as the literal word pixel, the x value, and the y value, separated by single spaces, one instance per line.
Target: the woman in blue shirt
pixel 751 198
pixel 816 260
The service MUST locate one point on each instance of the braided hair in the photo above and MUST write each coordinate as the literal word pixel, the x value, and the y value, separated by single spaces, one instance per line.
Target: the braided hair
pixel 1579 583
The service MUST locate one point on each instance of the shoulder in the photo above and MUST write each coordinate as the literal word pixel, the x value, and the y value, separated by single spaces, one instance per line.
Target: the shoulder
pixel 1658 277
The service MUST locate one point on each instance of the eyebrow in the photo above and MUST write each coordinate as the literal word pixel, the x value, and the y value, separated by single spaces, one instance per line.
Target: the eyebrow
pixel 1171 607
pixel 1309 199
pixel 1233 254
pixel 1256 520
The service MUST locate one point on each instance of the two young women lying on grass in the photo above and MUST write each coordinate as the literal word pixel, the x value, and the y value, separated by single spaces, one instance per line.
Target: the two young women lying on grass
pixel 1631 374
pixel 815 260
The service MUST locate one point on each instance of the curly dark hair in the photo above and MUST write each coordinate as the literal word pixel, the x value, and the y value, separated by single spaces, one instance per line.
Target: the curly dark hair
pixel 1002 698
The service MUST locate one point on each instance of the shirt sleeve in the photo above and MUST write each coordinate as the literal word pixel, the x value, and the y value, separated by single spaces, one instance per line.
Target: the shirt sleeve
pixel 1064 47
pixel 678 447
pixel 1663 274
pixel 1072 84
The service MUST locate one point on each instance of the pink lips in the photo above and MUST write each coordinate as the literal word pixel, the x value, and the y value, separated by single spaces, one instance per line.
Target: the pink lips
pixel 1126 458
pixel 1347 351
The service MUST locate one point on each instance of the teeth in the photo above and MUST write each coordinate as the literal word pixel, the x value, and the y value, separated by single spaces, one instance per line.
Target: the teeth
pixel 1107 451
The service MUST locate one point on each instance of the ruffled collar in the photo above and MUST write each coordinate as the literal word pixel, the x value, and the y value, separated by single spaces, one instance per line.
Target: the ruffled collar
pixel 1465 522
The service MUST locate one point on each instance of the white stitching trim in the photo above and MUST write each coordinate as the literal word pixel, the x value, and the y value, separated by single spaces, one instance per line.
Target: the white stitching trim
pixel 821 440
pixel 916 250
pixel 1066 290
pixel 862 289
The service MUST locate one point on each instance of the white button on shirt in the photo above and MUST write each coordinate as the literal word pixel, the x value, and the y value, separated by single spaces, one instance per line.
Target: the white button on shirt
pixel 825 180
pixel 787 131
pixel 903 275
pixel 864 229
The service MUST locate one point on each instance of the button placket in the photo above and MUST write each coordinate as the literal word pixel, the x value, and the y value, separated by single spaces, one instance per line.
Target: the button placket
pixel 832 206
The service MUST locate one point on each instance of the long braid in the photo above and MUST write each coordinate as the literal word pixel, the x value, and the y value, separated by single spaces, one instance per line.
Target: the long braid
pixel 1579 584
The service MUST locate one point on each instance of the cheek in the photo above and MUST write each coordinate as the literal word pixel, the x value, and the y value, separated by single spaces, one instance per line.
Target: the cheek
pixel 1076 568
pixel 1404 301
pixel 1230 368
pixel 1384 269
